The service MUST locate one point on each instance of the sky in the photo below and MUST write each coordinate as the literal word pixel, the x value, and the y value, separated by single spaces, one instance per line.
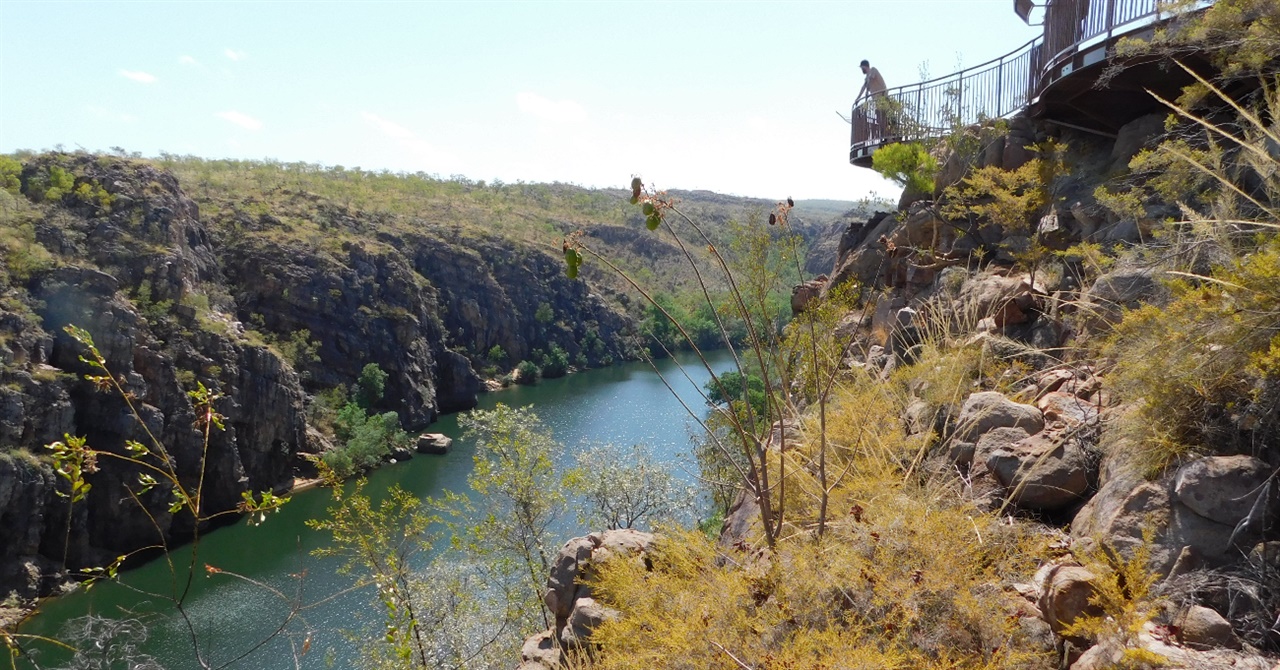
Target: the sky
pixel 734 97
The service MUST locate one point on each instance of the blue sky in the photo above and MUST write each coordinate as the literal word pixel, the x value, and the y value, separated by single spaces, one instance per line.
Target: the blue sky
pixel 736 97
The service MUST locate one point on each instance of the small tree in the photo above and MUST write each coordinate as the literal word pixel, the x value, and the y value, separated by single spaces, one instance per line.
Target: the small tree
pixel 370 386
pixel 518 494
pixel 624 487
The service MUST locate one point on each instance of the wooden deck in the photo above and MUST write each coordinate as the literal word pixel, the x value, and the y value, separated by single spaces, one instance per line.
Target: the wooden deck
pixel 1053 77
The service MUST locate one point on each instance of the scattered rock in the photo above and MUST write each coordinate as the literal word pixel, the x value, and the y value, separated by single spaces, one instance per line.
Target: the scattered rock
pixel 1203 628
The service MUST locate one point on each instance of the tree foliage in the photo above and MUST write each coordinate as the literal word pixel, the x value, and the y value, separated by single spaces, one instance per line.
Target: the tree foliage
pixel 624 487
pixel 907 164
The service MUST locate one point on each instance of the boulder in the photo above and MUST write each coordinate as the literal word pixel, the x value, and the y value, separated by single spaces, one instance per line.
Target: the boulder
pixel 1128 509
pixel 574 565
pixel 803 294
pixel 1048 471
pixel 434 443
pixel 1221 488
pixel 562 580
pixel 1064 594
pixel 924 229
pixel 1068 409
pixel 540 650
pixel 1079 382
pixel 1203 628
pixel 1007 300
pixel 991 441
pixel 1125 288
pixel 586 616
pixel 985 411
pixel 1156 643
pixel 1132 137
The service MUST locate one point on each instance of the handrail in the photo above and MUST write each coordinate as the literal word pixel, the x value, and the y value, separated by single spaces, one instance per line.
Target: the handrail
pixel 1001 86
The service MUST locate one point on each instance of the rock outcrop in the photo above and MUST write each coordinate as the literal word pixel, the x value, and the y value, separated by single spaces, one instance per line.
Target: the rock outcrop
pixel 568 596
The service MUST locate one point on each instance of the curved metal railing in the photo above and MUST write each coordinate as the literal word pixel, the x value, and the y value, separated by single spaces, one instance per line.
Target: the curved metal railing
pixel 993 89
pixel 1077 33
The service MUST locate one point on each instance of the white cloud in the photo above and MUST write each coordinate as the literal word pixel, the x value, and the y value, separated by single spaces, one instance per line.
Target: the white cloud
pixel 388 128
pixel 188 60
pixel 558 111
pixel 140 77
pixel 235 55
pixel 240 119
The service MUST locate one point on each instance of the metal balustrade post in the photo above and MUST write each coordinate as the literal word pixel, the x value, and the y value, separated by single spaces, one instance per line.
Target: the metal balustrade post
pixel 1000 88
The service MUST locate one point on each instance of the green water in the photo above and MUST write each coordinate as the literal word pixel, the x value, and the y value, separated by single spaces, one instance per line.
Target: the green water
pixel 625 404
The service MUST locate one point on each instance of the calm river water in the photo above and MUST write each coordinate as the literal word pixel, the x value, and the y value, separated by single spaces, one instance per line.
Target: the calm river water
pixel 625 404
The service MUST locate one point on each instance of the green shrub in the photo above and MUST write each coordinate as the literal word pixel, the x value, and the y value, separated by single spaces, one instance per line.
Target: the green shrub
pixel 526 373
pixel 365 440
pixel 556 363
pixel 907 164
pixel 370 386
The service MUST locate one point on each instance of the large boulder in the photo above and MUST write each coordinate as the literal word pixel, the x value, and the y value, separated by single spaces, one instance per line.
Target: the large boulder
pixel 586 616
pixel 1121 289
pixel 1129 512
pixel 803 294
pixel 1203 628
pixel 985 411
pixel 1048 471
pixel 1132 137
pixel 434 443
pixel 1068 409
pixel 1007 301
pixel 1222 488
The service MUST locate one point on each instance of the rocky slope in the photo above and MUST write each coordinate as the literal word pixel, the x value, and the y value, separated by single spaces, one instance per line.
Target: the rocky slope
pixel 1118 400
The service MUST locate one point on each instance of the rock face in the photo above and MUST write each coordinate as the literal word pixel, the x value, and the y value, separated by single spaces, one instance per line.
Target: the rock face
pixel 174 298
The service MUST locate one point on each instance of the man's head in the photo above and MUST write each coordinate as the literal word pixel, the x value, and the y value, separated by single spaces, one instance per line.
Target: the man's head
pixel 865 66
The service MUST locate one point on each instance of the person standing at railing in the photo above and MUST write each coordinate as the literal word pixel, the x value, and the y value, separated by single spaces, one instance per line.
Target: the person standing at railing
pixel 874 88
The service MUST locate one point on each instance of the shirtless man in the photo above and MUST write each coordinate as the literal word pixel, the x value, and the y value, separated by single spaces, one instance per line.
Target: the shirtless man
pixel 874 87
pixel 874 83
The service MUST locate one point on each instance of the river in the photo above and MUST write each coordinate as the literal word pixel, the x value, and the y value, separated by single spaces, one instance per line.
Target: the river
pixel 625 404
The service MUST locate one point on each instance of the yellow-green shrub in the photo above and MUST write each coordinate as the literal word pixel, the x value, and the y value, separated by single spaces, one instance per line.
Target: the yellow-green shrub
pixel 1191 365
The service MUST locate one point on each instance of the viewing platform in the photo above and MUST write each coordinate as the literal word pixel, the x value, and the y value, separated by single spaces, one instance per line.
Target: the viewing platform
pixel 1053 77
